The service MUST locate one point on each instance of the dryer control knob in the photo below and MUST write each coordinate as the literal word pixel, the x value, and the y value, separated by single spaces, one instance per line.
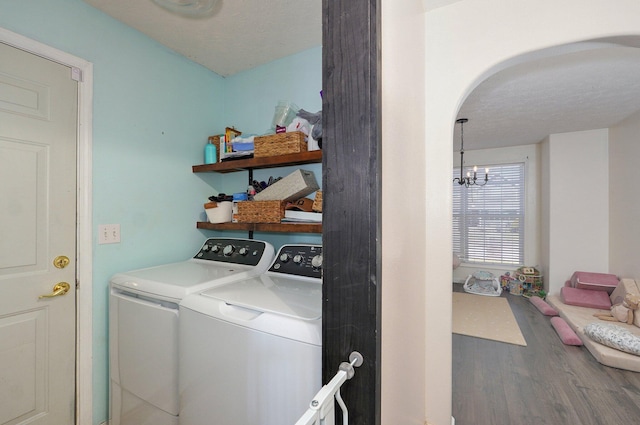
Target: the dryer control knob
pixel 298 259
pixel 243 251
pixel 215 248
pixel 228 250
pixel 284 257
pixel 316 261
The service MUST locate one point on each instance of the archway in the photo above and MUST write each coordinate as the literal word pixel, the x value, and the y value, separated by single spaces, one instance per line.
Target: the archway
pixel 466 43
pixel 580 135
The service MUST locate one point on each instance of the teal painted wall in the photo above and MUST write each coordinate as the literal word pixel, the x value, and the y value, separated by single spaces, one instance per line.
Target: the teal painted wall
pixel 256 92
pixel 153 111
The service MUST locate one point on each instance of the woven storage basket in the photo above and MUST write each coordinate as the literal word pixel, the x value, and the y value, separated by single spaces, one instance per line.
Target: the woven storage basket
pixel 279 144
pixel 260 211
pixel 317 202
pixel 530 281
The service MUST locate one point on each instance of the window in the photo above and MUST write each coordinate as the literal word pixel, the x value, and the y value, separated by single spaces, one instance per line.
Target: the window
pixel 488 221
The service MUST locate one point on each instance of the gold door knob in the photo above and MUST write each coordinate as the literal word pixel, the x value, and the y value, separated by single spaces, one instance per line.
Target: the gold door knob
pixel 59 289
pixel 61 261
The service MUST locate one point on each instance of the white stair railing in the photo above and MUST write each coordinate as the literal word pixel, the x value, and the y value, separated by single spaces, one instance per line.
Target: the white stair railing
pixel 322 407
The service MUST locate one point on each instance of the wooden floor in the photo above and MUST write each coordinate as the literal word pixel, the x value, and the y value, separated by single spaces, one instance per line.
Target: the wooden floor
pixel 545 382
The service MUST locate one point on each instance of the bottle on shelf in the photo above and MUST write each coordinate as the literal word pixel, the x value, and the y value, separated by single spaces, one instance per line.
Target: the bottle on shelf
pixel 210 154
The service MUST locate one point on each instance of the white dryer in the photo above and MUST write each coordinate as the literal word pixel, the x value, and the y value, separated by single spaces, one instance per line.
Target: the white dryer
pixel 251 352
pixel 143 325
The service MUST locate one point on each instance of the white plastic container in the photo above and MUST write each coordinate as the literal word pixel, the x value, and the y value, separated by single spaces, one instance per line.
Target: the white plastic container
pixel 218 212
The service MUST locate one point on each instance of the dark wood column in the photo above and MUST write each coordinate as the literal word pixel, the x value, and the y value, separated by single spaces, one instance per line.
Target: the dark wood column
pixel 352 197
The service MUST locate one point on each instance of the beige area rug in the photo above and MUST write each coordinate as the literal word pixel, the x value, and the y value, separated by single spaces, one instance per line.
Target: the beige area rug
pixel 485 317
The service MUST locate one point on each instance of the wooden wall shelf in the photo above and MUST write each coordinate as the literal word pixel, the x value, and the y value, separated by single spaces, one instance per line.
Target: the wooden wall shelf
pixel 311 157
pixel 264 227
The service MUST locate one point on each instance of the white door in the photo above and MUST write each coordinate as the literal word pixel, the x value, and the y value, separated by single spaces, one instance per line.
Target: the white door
pixel 38 131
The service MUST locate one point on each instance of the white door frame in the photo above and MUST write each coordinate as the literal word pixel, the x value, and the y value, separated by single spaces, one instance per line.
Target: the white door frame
pixel 84 334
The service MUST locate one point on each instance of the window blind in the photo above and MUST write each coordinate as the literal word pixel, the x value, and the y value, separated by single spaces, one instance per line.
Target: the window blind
pixel 488 221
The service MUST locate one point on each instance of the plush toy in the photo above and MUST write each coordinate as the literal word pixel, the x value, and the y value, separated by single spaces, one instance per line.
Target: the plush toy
pixel 622 312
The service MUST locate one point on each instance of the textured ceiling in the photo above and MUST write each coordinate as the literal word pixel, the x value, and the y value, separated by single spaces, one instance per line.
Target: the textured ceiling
pixel 582 90
pixel 237 35
pixel 578 87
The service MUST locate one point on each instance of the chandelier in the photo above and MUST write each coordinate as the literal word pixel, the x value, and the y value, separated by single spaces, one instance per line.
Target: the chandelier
pixel 468 180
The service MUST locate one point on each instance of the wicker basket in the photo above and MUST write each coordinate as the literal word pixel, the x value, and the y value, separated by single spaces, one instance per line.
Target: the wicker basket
pixel 279 144
pixel 317 202
pixel 531 280
pixel 260 211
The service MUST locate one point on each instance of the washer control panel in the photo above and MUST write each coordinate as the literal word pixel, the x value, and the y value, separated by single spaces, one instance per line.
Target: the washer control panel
pixel 299 260
pixel 230 250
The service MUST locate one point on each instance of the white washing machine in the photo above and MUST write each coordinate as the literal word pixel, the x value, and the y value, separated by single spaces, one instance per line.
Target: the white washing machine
pixel 251 352
pixel 143 325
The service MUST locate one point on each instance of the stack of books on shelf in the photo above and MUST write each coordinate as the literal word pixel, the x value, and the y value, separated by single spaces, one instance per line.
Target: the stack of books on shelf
pixel 291 216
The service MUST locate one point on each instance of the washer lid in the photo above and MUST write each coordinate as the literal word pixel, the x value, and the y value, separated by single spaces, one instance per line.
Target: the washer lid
pixel 286 296
pixel 176 280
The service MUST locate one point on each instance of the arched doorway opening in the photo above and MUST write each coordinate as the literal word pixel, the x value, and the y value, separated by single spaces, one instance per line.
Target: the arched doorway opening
pixel 592 101
pixel 467 43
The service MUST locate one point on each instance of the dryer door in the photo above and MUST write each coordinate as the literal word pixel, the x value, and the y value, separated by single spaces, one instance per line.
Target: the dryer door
pixel 144 348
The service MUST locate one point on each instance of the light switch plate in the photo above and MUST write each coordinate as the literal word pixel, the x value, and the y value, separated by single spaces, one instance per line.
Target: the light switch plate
pixel 108 233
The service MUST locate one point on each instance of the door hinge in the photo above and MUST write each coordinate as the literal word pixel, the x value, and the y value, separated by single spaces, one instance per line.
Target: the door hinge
pixel 76 74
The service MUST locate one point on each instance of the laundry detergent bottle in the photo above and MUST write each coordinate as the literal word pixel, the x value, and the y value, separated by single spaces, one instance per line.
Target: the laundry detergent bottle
pixel 210 154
